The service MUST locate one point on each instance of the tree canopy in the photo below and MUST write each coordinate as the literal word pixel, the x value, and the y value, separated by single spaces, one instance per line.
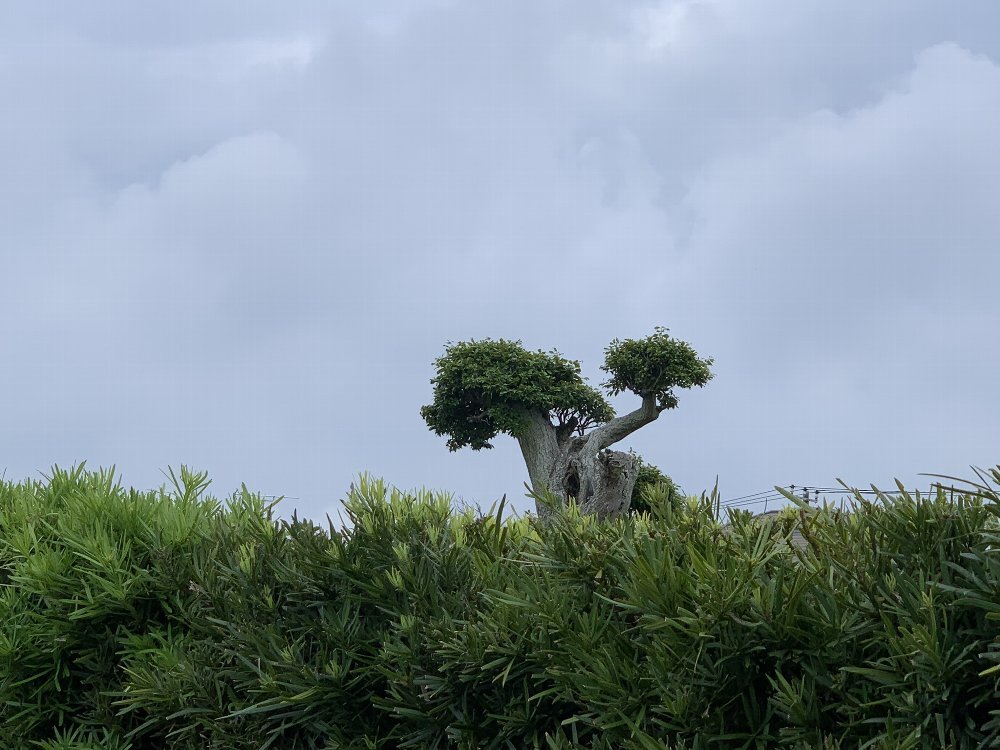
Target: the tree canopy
pixel 484 388
pixel 654 366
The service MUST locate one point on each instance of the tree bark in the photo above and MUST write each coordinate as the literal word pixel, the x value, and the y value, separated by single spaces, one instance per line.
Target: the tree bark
pixel 583 468
pixel 613 478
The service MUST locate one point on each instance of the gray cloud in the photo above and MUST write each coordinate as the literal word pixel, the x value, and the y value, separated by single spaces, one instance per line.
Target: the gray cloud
pixel 237 237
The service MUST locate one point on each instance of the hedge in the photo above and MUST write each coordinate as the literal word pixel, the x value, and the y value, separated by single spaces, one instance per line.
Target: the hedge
pixel 168 619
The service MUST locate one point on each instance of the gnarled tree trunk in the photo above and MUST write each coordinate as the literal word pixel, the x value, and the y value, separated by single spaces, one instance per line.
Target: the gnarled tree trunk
pixel 583 468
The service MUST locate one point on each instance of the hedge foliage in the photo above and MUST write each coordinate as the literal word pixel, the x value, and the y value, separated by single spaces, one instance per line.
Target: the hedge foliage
pixel 135 620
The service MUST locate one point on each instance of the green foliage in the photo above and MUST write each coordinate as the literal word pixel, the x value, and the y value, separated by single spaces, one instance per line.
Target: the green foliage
pixel 654 366
pixel 483 388
pixel 83 565
pixel 134 621
pixel 650 485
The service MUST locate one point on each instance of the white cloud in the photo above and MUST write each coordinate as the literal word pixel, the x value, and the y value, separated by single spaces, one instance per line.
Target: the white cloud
pixel 671 31
pixel 238 238
pixel 868 202
pixel 852 260
pixel 230 63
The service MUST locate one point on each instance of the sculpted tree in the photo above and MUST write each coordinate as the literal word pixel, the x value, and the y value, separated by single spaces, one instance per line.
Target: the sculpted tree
pixel 484 388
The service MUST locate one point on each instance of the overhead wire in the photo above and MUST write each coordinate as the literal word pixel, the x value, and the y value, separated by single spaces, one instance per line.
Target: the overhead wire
pixel 812 494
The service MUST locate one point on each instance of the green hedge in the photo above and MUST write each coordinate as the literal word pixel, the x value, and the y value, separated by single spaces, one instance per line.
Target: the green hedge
pixel 169 620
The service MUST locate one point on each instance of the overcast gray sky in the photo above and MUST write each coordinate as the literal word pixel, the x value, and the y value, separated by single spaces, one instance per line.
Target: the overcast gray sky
pixel 235 235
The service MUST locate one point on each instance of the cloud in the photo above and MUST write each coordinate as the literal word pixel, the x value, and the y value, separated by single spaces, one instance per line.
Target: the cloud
pixel 238 237
pixel 850 264
pixel 230 63
pixel 884 204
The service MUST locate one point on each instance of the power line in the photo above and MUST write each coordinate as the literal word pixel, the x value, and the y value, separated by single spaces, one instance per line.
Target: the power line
pixel 812 494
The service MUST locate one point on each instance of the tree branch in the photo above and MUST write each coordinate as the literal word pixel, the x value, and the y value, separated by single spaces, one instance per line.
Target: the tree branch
pixel 565 429
pixel 621 427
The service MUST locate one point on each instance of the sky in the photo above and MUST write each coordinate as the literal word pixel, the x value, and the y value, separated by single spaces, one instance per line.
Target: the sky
pixel 236 235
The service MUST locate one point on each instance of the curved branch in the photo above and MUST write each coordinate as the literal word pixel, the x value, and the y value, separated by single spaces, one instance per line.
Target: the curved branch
pixel 621 427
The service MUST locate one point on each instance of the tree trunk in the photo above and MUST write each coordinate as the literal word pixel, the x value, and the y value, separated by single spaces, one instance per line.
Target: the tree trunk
pixel 583 468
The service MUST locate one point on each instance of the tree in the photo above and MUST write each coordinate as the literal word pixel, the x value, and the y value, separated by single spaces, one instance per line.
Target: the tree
pixel 485 388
